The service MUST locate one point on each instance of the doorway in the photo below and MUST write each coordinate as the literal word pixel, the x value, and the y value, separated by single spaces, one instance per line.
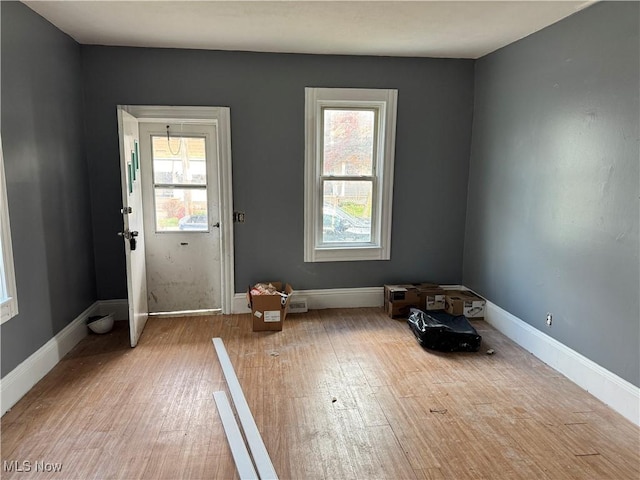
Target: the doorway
pixel 181 217
pixel 188 208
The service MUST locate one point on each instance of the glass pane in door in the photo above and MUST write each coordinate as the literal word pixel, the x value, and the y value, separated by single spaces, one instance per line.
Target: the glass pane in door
pixel 181 209
pixel 179 160
pixel 180 183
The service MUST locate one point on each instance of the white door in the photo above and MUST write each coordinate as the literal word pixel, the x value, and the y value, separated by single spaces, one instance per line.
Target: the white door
pixel 182 216
pixel 133 224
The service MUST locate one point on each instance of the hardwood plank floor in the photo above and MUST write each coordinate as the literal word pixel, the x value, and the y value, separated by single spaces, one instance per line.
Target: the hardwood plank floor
pixel 338 394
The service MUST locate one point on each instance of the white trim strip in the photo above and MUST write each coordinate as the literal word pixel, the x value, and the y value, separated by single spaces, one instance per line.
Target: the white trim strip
pixel 256 445
pixel 241 457
pixel 226 208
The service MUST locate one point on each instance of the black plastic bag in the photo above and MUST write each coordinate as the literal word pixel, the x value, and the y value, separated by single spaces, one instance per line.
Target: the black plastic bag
pixel 443 332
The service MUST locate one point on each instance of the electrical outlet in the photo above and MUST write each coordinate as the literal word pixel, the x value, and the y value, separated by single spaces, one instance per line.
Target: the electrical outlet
pixel 549 319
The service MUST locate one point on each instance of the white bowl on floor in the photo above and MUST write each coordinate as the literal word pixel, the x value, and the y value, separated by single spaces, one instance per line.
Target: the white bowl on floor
pixel 102 324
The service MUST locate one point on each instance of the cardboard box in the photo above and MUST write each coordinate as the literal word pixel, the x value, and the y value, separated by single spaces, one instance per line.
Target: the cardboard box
pixel 402 293
pixel 399 299
pixel 398 309
pixel 267 311
pixel 432 299
pixel 463 302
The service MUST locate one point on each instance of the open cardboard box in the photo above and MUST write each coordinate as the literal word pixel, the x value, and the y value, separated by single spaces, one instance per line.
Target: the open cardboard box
pixel 267 311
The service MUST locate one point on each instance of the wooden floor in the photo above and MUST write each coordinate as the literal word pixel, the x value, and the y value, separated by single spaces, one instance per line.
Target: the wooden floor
pixel 337 394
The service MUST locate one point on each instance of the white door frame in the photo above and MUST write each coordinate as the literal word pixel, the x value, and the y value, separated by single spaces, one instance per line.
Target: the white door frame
pixel 221 117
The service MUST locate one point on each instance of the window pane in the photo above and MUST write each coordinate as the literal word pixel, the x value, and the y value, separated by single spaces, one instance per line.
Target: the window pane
pixel 346 211
pixel 181 209
pixel 348 142
pixel 179 160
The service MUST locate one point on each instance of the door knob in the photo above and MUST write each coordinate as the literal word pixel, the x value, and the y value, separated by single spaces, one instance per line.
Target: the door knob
pixel 128 234
pixel 216 225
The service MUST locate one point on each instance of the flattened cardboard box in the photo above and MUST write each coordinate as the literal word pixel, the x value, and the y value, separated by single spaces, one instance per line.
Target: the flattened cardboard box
pixel 459 302
pixel 267 311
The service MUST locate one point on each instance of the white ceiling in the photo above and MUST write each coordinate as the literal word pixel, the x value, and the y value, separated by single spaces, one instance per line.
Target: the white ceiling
pixel 448 28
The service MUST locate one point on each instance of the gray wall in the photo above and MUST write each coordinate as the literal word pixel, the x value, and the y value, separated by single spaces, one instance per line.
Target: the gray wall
pixel 552 218
pixel 47 181
pixel 266 95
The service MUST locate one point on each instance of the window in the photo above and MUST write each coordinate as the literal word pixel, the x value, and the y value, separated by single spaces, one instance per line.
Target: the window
pixel 349 154
pixel 8 300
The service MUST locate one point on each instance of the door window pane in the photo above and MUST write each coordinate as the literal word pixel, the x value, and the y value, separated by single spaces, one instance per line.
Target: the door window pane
pixel 180 181
pixel 181 209
pixel 179 160
pixel 346 211
pixel 348 142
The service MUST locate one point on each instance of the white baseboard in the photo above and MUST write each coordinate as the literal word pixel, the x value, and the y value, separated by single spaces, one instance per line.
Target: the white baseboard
pixel 326 298
pixel 332 298
pixel 22 378
pixel 119 307
pixel 343 297
pixel 617 393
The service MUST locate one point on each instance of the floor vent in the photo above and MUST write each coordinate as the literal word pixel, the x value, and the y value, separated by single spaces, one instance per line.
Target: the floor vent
pixel 298 305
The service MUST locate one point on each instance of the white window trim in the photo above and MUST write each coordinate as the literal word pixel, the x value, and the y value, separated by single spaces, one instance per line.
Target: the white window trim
pixel 315 100
pixel 8 306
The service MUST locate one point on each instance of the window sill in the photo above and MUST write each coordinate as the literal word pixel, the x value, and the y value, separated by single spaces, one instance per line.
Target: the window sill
pixel 350 254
